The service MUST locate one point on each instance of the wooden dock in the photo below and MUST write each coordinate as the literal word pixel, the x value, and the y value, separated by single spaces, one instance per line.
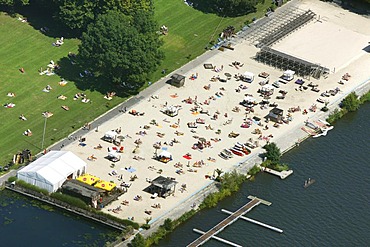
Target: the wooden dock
pixel 226 222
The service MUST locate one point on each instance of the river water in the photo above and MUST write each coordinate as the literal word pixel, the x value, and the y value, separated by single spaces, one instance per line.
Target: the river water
pixel 25 222
pixel 334 211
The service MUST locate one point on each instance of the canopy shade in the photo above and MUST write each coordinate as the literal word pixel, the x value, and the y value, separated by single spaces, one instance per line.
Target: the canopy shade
pixel 108 186
pixel 88 179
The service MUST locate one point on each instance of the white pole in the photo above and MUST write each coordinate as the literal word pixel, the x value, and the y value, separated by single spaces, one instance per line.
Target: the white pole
pixel 218 238
pixel 43 135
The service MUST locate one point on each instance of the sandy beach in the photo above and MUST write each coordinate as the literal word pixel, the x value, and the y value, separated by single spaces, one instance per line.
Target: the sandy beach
pixel 338 41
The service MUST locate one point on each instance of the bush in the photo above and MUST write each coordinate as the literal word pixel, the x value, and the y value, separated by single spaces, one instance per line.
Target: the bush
pixel 230 183
pixel 351 102
pixel 12 179
pixel 112 217
pixel 168 224
pixel 145 226
pixel 74 201
pixel 335 115
pixel 138 241
pixel 254 170
pixel 32 187
pixel 365 98
pixel 156 237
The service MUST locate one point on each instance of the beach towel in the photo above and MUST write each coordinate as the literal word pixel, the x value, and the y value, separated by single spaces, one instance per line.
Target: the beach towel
pixel 187 157
pixel 131 170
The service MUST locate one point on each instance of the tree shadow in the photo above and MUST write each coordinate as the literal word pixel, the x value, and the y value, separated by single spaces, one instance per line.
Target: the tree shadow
pixel 41 19
pixel 211 6
pixel 73 70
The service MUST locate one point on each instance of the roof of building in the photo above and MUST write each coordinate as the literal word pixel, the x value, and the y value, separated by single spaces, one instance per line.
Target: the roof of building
pixel 164 182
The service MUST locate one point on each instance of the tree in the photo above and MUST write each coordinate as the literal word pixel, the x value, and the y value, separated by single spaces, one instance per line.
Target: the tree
pixel 78 14
pixel 272 152
pixel 235 7
pixel 121 48
pixel 138 241
pixel 12 3
pixel 351 102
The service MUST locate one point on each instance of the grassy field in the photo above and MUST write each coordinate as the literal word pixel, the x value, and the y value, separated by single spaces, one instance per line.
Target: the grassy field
pixel 23 45
pixel 191 30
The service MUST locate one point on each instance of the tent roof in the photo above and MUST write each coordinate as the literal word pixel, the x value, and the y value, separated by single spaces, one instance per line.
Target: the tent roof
pixel 111 133
pixel 249 99
pixel 54 166
pixel 248 74
pixel 289 72
pixel 177 77
pixel 164 182
pixel 267 87
pixel 166 154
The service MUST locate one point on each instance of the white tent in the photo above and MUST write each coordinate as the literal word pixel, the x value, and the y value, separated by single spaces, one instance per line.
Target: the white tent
pixel 249 76
pixel 166 154
pixel 52 170
pixel 267 88
pixel 288 75
pixel 249 99
pixel 110 134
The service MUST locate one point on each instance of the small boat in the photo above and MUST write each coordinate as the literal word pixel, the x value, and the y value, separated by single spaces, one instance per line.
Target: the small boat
pixel 236 152
pixel 308 182
pixel 228 153
pixel 223 155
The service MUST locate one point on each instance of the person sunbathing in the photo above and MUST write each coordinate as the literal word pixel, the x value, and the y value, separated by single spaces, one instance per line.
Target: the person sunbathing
pixel 98 147
pixel 85 100
pixel 9 105
pixel 62 97
pixel 64 107
pixel 47 114
pixel 28 132
pixel 22 117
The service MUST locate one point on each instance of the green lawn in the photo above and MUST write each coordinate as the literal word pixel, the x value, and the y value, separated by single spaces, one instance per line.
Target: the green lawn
pixel 190 30
pixel 21 45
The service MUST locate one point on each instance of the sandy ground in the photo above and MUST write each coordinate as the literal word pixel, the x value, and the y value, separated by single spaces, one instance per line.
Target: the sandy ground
pixel 195 180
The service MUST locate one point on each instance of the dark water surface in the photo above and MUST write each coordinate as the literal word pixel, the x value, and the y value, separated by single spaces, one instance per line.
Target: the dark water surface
pixel 25 222
pixel 334 211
